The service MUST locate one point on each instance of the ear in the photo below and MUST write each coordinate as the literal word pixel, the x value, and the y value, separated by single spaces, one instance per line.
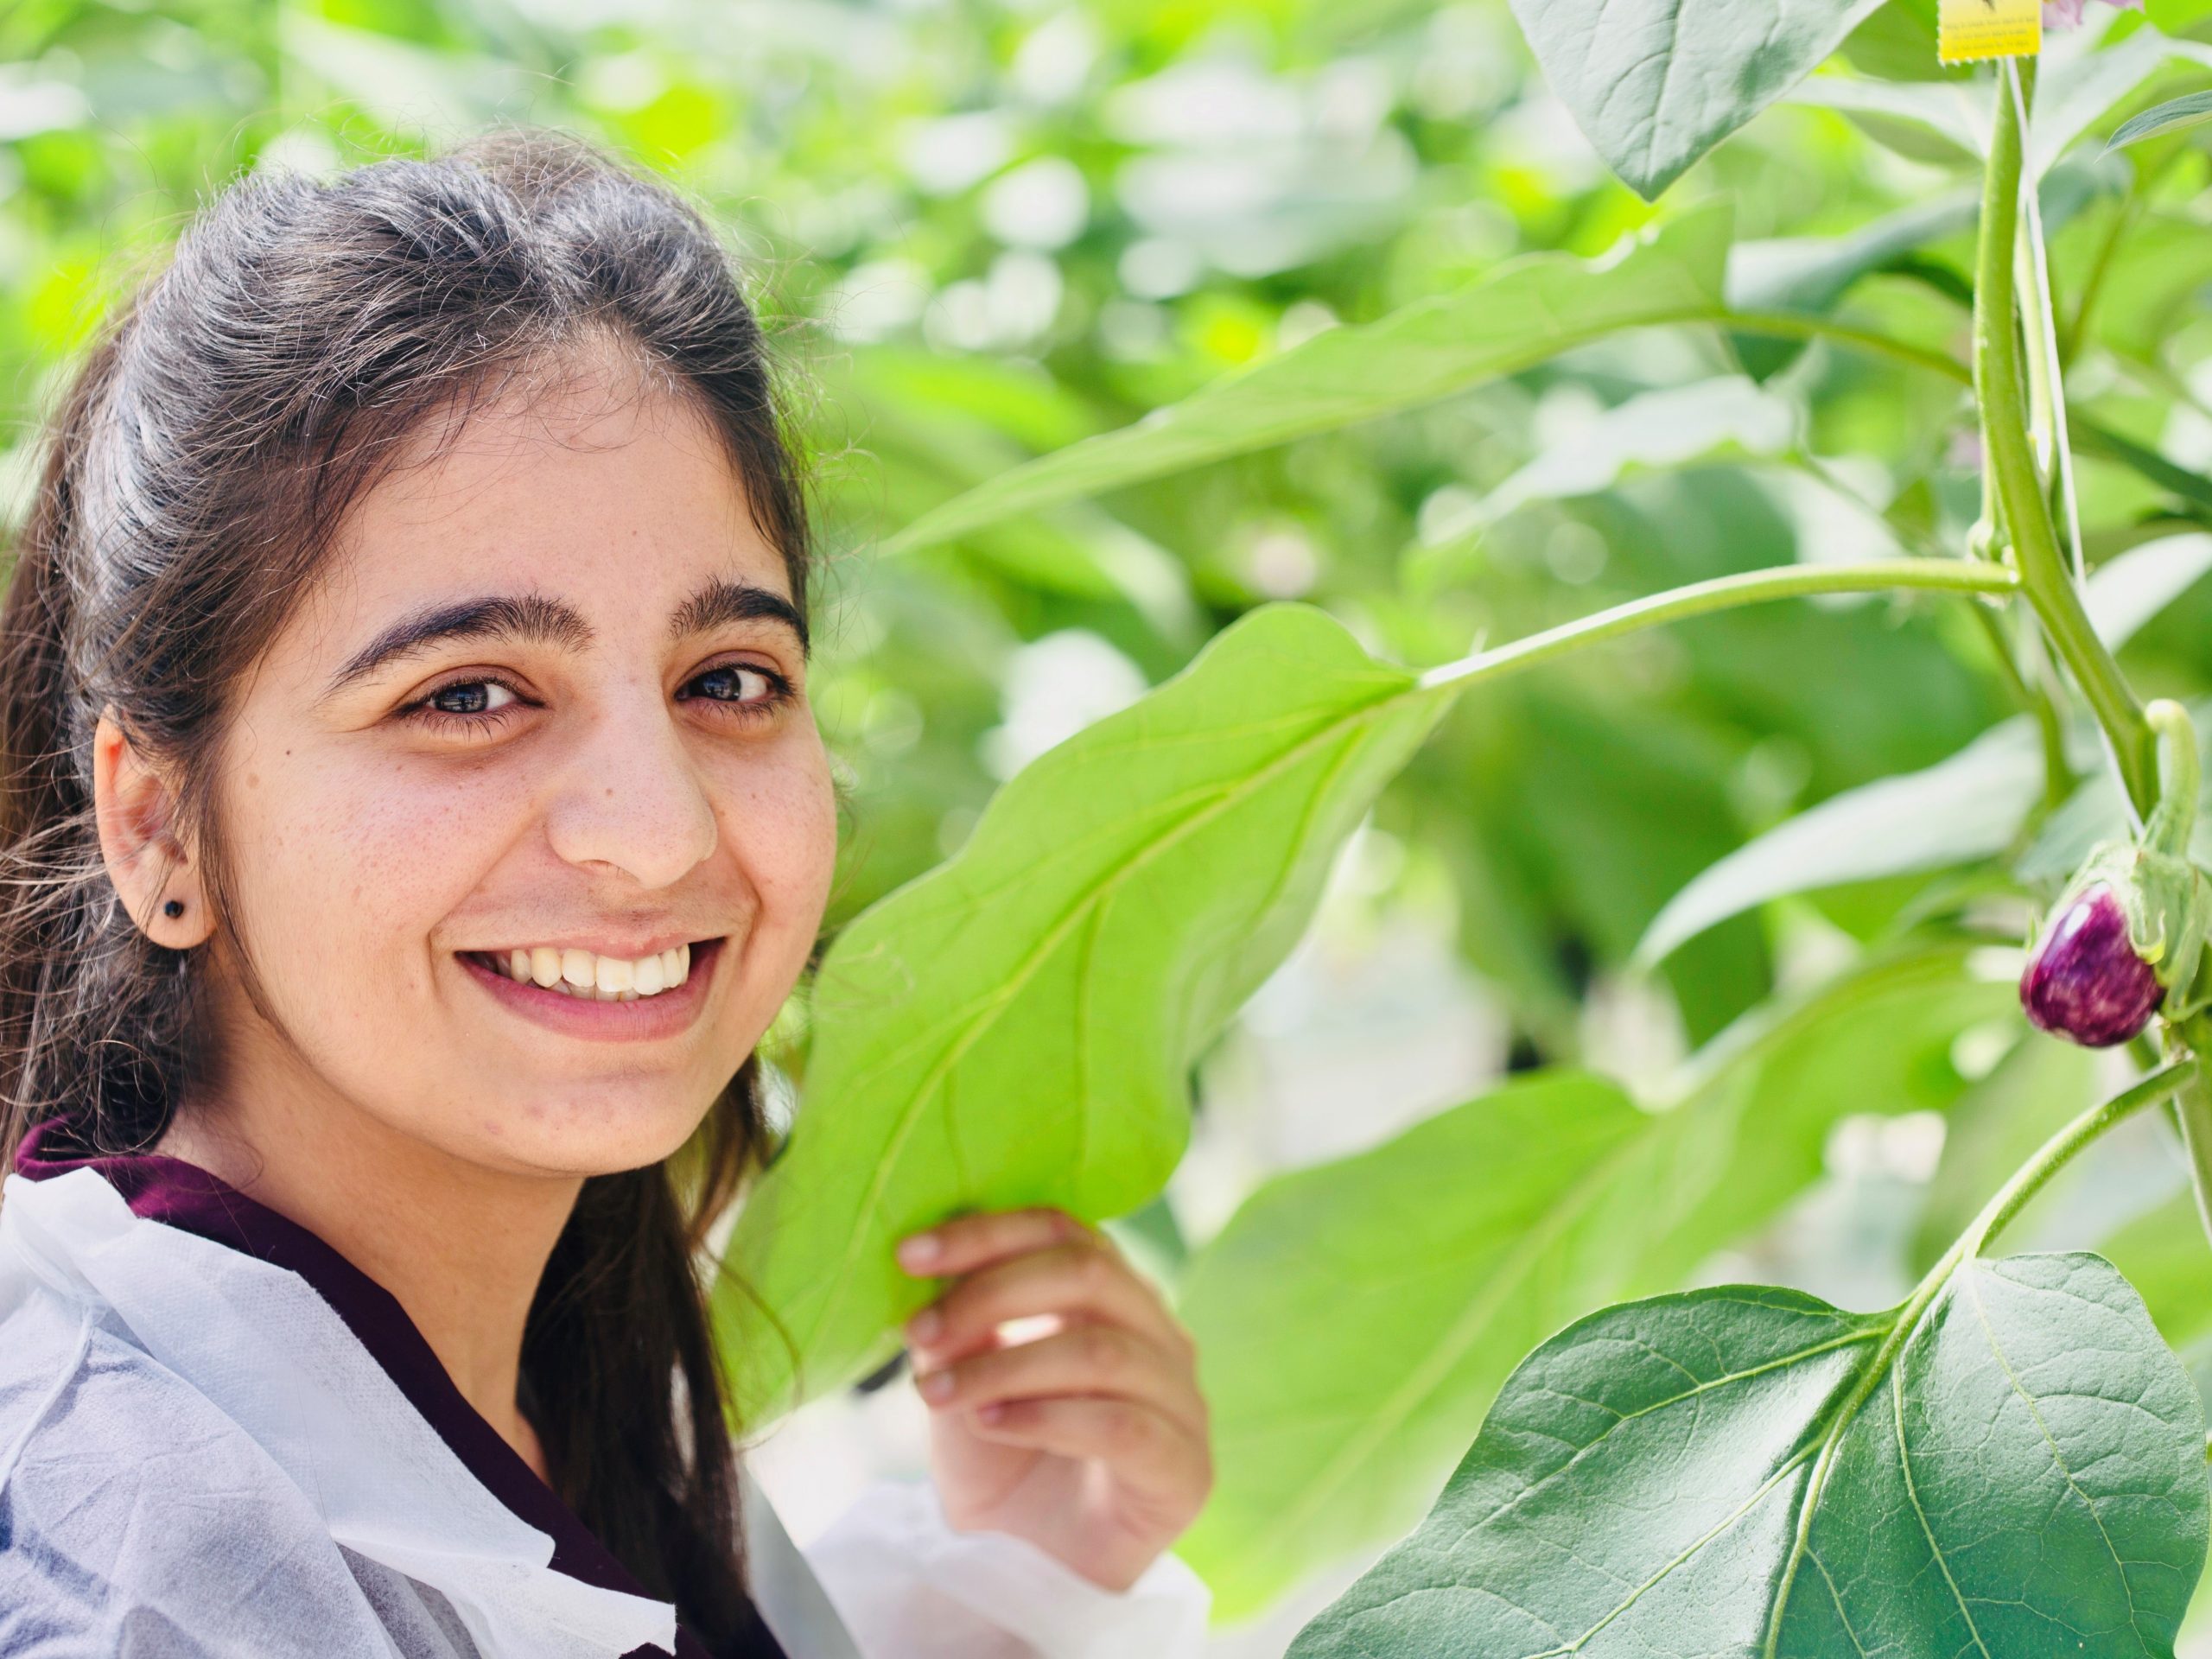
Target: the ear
pixel 151 867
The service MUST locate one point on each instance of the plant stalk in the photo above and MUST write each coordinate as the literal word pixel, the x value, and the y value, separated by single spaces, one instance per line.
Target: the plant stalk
pixel 1722 593
pixel 2058 777
pixel 2052 1157
pixel 2193 1109
pixel 2000 389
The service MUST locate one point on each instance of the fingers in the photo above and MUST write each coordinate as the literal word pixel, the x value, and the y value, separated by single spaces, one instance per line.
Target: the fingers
pixel 1084 1359
pixel 1146 1447
pixel 1084 1277
pixel 966 1243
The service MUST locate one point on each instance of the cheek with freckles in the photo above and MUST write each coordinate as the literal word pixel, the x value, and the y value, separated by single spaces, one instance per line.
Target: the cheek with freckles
pixel 781 820
pixel 352 870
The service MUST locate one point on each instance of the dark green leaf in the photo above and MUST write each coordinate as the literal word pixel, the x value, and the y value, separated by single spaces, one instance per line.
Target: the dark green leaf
pixel 1654 84
pixel 2016 1469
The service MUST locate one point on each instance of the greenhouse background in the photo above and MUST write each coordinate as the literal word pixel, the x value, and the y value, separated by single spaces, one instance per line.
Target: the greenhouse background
pixel 982 231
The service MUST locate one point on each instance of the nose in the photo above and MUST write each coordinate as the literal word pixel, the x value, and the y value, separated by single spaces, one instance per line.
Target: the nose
pixel 632 798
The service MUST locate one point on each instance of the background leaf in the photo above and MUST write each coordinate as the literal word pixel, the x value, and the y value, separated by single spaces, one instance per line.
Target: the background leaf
pixel 1520 316
pixel 1966 808
pixel 1970 806
pixel 2175 115
pixel 1354 1317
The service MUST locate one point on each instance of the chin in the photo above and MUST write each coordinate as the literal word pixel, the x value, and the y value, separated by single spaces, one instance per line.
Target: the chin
pixel 599 1129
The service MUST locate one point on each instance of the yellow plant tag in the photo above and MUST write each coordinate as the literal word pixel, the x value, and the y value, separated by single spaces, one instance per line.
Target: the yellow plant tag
pixel 1968 30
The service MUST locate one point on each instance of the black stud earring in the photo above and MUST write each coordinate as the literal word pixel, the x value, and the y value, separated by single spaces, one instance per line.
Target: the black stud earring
pixel 174 908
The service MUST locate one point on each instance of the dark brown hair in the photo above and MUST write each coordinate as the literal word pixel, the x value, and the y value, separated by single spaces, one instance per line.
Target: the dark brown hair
pixel 194 475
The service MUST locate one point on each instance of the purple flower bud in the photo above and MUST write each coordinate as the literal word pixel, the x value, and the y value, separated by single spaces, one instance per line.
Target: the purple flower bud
pixel 2085 982
pixel 2066 13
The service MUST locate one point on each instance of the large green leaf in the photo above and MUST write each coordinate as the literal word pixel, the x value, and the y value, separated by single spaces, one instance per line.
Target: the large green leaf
pixel 2013 1467
pixel 1016 1027
pixel 1355 1319
pixel 1654 84
pixel 1524 314
pixel 2162 1252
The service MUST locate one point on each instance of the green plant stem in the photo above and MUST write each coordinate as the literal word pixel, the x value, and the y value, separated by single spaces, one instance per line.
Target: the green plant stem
pixel 2193 1110
pixel 2057 770
pixel 2123 220
pixel 2000 389
pixel 1722 593
pixel 2011 1198
pixel 2054 1155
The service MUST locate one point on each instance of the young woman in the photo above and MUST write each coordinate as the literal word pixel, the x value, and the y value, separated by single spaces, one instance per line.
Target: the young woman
pixel 413 820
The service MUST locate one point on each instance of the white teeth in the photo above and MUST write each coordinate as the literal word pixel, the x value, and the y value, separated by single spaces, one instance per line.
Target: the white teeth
pixel 595 978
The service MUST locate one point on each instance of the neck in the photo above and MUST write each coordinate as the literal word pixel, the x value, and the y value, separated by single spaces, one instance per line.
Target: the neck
pixel 460 1247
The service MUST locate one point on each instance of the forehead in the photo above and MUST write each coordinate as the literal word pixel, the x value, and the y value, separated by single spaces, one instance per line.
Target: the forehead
pixel 602 489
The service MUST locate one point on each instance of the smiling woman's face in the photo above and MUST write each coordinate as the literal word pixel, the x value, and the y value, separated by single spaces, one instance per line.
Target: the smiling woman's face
pixel 545 714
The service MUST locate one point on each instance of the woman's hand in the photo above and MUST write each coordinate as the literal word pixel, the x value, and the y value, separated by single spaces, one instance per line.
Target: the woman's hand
pixel 1092 1442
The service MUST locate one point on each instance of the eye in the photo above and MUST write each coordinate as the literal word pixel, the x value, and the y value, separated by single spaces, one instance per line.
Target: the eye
pixel 470 697
pixel 746 688
pixel 475 705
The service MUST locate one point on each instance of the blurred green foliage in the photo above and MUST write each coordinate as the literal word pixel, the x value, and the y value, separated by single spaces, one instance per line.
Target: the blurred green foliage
pixel 983 231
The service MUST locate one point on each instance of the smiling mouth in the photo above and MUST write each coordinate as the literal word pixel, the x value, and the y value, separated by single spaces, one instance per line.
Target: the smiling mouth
pixel 591 978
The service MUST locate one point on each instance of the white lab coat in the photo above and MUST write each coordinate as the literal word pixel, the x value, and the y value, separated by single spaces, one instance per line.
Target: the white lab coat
pixel 209 1450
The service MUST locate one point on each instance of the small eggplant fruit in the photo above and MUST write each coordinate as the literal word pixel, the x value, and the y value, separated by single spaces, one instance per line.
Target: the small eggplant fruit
pixel 2085 981
pixel 2131 935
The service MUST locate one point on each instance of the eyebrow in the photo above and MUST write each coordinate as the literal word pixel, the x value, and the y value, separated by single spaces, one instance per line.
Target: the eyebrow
pixel 534 619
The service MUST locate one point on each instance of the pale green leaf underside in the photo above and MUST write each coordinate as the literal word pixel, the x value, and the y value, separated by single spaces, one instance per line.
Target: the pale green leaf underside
pixel 2176 116
pixel 1355 1319
pixel 1015 1027
pixel 1526 313
pixel 1967 807
pixel 1748 1471
pixel 1654 84
pixel 1727 417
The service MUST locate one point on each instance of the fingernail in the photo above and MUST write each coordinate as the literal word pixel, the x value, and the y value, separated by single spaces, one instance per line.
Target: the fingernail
pixel 919 1250
pixel 936 1385
pixel 924 1326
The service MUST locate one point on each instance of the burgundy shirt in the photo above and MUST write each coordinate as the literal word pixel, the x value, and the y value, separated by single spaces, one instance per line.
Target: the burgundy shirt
pixel 185 1196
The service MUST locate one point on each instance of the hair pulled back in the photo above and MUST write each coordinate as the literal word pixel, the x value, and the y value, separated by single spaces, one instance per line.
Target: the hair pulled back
pixel 201 459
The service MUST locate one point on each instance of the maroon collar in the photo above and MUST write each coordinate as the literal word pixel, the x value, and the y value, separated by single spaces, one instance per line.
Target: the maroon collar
pixel 185 1196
